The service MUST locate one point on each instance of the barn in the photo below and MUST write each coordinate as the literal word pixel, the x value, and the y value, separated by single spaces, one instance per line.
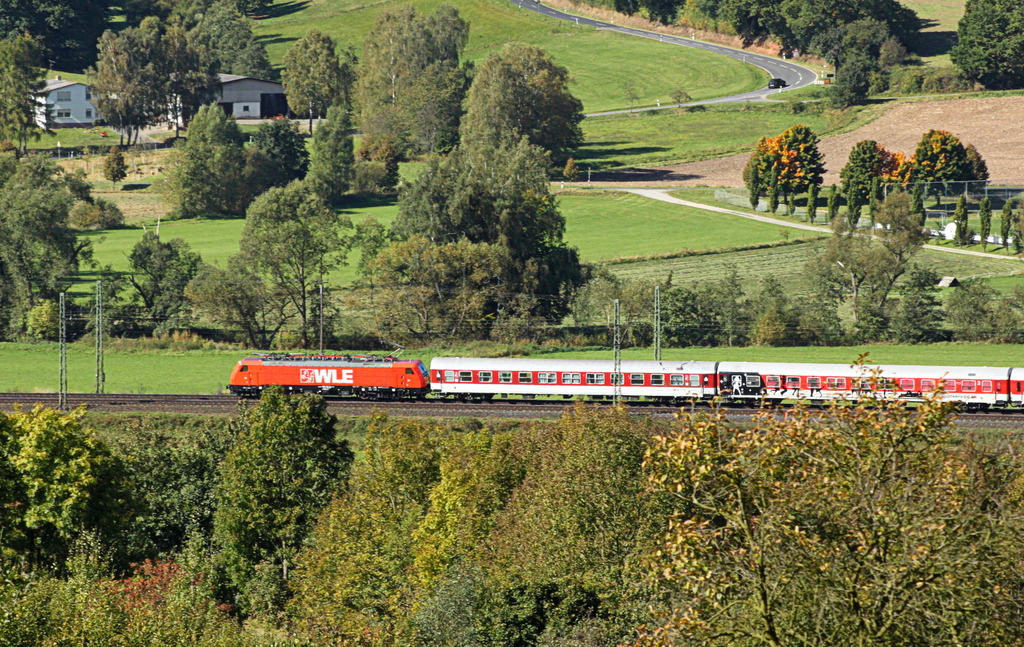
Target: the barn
pixel 245 97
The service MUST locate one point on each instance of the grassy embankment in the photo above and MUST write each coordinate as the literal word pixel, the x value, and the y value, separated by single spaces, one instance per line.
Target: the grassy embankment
pixel 939 35
pixel 172 370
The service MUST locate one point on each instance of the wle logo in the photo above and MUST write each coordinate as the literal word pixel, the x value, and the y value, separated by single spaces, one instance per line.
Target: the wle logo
pixel 325 376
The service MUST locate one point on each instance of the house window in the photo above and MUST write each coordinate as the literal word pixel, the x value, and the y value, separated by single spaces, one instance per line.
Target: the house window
pixel 570 378
pixel 526 378
pixel 485 376
pixel 88 94
pixel 505 377
pixel 64 96
pixel 245 108
pixel 595 378
pixel 88 113
pixel 63 114
pixel 636 379
pixel 657 380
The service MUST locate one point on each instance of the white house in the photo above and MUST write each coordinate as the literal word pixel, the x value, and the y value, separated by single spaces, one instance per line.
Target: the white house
pixel 69 104
pixel 246 97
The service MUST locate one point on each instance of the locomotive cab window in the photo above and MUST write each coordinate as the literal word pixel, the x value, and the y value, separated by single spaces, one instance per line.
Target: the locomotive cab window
pixel 657 380
pixel 505 377
pixel 525 378
pixel 465 376
pixel 408 371
pixel 675 380
pixel 485 376
pixel 244 369
pixel 636 379
pixel 595 378
pixel 449 376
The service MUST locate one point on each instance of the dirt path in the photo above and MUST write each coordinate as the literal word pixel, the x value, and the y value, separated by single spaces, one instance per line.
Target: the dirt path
pixel 995 126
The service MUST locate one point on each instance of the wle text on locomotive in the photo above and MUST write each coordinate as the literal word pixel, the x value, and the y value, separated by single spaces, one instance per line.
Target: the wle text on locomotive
pixel 668 382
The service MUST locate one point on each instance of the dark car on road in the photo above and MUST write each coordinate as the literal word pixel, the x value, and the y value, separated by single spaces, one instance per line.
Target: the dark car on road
pixel 777 83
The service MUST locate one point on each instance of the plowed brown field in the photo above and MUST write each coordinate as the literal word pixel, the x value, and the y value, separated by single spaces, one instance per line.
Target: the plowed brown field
pixel 995 126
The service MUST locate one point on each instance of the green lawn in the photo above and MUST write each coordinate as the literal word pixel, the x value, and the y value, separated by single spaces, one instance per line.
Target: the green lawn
pixel 607 225
pixel 661 137
pixel 600 62
pixel 75 138
pixel 941 20
pixel 35 368
pixel 217 239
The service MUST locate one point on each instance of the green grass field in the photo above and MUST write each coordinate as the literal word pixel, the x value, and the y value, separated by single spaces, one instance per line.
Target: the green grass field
pixel 600 62
pixel 608 225
pixel 661 137
pixel 33 368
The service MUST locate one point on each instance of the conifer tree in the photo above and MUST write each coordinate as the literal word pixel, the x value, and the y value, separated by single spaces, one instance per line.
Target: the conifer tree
pixel 833 203
pixel 960 217
pixel 754 185
pixel 331 158
pixel 812 202
pixel 773 194
pixel 1005 224
pixel 917 202
pixel 985 215
pixel 114 167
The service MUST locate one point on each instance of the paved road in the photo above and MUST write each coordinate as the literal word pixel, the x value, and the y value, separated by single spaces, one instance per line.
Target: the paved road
pixel 796 76
pixel 663 196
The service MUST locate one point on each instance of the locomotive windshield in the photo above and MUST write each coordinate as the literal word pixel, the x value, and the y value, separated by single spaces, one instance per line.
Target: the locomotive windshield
pixel 423 371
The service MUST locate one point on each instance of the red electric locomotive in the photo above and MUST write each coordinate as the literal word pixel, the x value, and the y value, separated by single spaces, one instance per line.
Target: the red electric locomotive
pixel 366 376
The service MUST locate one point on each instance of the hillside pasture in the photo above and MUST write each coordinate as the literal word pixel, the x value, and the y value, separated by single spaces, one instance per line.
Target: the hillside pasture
pixel 601 63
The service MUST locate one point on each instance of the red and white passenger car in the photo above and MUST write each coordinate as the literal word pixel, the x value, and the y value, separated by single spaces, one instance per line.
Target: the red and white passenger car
pixel 483 378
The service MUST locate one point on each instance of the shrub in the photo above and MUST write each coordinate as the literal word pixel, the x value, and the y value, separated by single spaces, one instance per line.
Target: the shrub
pixel 98 214
pixel 369 177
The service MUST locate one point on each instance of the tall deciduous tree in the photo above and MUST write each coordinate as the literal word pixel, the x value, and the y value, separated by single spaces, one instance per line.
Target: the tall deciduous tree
pixel 128 79
pixel 498 196
pixel 21 91
pixel 159 273
pixel 918 315
pixel 1006 224
pixel 941 157
pixel 876 523
pixel 985 216
pixel 280 140
pixel 285 465
pixel 314 77
pixel 227 35
pixel 521 92
pixel 190 74
pixel 960 217
pixel 863 166
pixel 410 87
pixel 294 239
pixel 238 297
pixel 331 157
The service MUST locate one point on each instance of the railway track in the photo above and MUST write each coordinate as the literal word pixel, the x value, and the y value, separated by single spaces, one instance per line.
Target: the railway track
pixel 526 409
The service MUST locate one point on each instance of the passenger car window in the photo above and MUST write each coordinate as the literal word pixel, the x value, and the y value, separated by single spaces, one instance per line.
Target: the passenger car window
pixel 595 378
pixel 485 376
pixel 657 380
pixel 636 379
pixel 505 376
pixel 525 378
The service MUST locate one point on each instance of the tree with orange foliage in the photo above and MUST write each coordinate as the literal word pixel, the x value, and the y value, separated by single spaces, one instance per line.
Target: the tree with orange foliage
pixel 792 160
